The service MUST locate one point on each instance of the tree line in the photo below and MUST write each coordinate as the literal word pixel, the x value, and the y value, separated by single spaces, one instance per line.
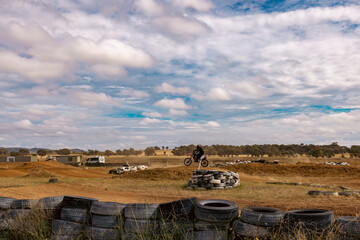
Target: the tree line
pixel 256 150
pixel 273 150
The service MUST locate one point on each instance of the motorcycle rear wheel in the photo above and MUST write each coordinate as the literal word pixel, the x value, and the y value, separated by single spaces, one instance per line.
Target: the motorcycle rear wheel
pixel 187 161
pixel 204 163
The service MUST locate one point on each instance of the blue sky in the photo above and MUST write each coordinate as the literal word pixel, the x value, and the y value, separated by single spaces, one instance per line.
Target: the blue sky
pixel 115 74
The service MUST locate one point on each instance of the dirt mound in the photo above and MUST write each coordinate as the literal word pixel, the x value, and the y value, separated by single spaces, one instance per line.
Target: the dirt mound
pixel 304 170
pixel 49 169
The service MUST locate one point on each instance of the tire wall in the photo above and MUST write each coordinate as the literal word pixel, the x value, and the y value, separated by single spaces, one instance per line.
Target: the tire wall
pixel 181 219
pixel 213 180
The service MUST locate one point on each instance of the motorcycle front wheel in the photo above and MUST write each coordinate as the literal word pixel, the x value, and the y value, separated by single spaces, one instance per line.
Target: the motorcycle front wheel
pixel 187 161
pixel 204 163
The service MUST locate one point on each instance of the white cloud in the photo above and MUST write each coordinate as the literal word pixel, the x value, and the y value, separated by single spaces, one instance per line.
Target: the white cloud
pixel 134 93
pixel 215 94
pixel 181 27
pixel 23 124
pixel 212 124
pixel 177 103
pixel 152 114
pixel 176 112
pixel 36 70
pixel 147 121
pixel 168 88
pixel 200 5
pixel 91 99
pixel 150 7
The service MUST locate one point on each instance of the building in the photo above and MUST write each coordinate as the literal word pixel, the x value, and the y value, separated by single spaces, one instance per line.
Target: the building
pixel 69 159
pixel 19 159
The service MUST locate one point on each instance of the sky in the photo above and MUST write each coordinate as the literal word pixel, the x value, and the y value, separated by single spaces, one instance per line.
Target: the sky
pixel 116 74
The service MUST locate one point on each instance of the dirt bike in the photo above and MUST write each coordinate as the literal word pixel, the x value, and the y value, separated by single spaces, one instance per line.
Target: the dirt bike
pixel 203 161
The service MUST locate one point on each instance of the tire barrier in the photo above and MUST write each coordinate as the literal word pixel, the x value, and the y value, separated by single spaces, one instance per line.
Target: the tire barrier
pixel 316 220
pixel 213 180
pixel 349 226
pixel 257 222
pixel 333 193
pixel 188 219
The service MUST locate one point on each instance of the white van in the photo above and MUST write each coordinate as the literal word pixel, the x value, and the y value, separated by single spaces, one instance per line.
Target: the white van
pixel 95 161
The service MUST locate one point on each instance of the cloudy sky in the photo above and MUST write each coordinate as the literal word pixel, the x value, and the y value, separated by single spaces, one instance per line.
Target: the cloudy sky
pixel 115 74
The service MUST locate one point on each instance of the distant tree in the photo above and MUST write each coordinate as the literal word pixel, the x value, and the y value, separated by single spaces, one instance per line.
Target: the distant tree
pixel 93 152
pixel 149 151
pixel 3 151
pixel 119 152
pixel 41 152
pixel 167 147
pixel 132 151
pixel 126 152
pixel 14 154
pixel 138 152
pixel 23 151
pixel 108 153
pixel 210 150
pixel 163 147
pixel 63 151
pixel 316 152
pixel 156 148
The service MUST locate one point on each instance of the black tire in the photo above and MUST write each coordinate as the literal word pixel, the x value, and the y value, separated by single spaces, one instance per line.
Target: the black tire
pixel 216 210
pixel 200 225
pixel 49 203
pixel 96 233
pixel 66 237
pixel 141 211
pixel 61 227
pixel 187 161
pixel 242 229
pixel 212 234
pixel 105 221
pixel 350 225
pixel 180 209
pixel 16 214
pixel 204 163
pixel 5 202
pixel 107 208
pixel 314 193
pixel 79 215
pixel 262 216
pixel 23 203
pixel 79 202
pixel 140 226
pixel 313 219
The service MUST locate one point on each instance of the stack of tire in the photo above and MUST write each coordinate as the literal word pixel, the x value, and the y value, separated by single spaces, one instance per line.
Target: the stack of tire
pixel 212 179
pixel 310 221
pixel 12 212
pixel 213 218
pixel 50 206
pixel 176 218
pixel 349 227
pixel 166 220
pixel 140 220
pixel 257 222
pixel 107 221
pixel 19 210
pixel 75 213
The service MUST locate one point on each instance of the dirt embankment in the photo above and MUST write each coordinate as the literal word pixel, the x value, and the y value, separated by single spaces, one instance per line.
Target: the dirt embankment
pixel 304 170
pixel 49 169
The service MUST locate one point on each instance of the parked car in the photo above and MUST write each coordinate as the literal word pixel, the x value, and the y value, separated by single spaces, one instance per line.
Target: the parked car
pixel 95 161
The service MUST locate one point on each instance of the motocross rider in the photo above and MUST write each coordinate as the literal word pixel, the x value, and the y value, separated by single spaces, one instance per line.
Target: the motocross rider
pixel 198 152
